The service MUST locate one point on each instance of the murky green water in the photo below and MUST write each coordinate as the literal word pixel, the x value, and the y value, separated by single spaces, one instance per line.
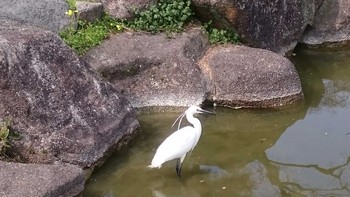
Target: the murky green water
pixel 299 150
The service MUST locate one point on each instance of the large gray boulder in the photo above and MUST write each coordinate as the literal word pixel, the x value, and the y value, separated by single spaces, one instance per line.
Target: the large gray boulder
pixel 59 106
pixel 273 25
pixel 154 70
pixel 18 179
pixel 247 77
pixel 48 14
pixel 125 9
pixel 331 26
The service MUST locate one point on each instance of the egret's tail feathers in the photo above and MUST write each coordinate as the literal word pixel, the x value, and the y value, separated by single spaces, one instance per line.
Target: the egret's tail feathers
pixel 154 166
pixel 156 162
pixel 150 166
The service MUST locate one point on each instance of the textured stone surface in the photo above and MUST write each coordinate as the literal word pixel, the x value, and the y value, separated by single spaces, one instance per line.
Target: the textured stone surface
pixel 273 25
pixel 89 11
pixel 154 70
pixel 125 9
pixel 59 106
pixel 48 14
pixel 331 25
pixel 19 179
pixel 262 186
pixel 252 78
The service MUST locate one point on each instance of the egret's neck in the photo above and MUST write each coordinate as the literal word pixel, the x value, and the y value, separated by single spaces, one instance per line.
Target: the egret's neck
pixel 195 122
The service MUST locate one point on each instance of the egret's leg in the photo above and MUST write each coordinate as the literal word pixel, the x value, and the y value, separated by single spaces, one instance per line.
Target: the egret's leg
pixel 179 165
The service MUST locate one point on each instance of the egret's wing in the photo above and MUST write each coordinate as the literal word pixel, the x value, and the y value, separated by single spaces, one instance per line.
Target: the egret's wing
pixel 175 146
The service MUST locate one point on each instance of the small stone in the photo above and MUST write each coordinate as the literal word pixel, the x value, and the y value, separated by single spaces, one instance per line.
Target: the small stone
pixel 89 11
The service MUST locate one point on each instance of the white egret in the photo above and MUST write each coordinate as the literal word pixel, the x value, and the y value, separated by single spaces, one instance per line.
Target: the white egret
pixel 182 141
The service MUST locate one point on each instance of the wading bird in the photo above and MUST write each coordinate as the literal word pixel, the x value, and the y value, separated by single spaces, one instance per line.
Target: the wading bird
pixel 182 141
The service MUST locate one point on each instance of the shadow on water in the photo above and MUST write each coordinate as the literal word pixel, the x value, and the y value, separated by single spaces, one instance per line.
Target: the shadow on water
pixel 298 150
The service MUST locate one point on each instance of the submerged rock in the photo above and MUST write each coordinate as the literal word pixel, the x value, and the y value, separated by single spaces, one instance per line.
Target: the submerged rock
pixel 18 179
pixel 154 70
pixel 262 186
pixel 251 78
pixel 215 172
pixel 59 106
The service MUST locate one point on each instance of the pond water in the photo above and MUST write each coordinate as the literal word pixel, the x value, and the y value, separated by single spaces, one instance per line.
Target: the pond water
pixel 298 150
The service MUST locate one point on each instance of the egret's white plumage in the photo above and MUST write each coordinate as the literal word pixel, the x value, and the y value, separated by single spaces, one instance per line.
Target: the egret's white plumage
pixel 174 147
pixel 182 141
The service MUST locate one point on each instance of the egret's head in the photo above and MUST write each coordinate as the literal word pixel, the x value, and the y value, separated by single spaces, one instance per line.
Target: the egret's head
pixel 194 109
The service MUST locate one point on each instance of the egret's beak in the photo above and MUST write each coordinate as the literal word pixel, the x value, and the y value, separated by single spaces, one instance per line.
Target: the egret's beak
pixel 205 111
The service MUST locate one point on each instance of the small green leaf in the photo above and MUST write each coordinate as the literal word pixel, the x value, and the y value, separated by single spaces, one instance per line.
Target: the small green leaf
pixel 4 133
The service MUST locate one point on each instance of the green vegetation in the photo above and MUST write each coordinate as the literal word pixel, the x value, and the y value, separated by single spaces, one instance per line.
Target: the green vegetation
pixel 166 15
pixel 7 134
pixel 88 35
pixel 71 4
pixel 221 36
pixel 4 136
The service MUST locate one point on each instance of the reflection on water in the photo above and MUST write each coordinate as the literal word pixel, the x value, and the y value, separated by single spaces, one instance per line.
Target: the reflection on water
pixel 312 156
pixel 299 150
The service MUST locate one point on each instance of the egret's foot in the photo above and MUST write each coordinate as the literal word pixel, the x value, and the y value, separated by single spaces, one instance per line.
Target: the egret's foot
pixel 178 171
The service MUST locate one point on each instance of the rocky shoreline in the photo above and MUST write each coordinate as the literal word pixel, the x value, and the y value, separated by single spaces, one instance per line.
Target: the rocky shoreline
pixel 71 112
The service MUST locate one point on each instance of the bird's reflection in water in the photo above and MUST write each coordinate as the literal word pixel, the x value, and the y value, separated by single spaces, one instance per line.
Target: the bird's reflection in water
pixel 214 173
